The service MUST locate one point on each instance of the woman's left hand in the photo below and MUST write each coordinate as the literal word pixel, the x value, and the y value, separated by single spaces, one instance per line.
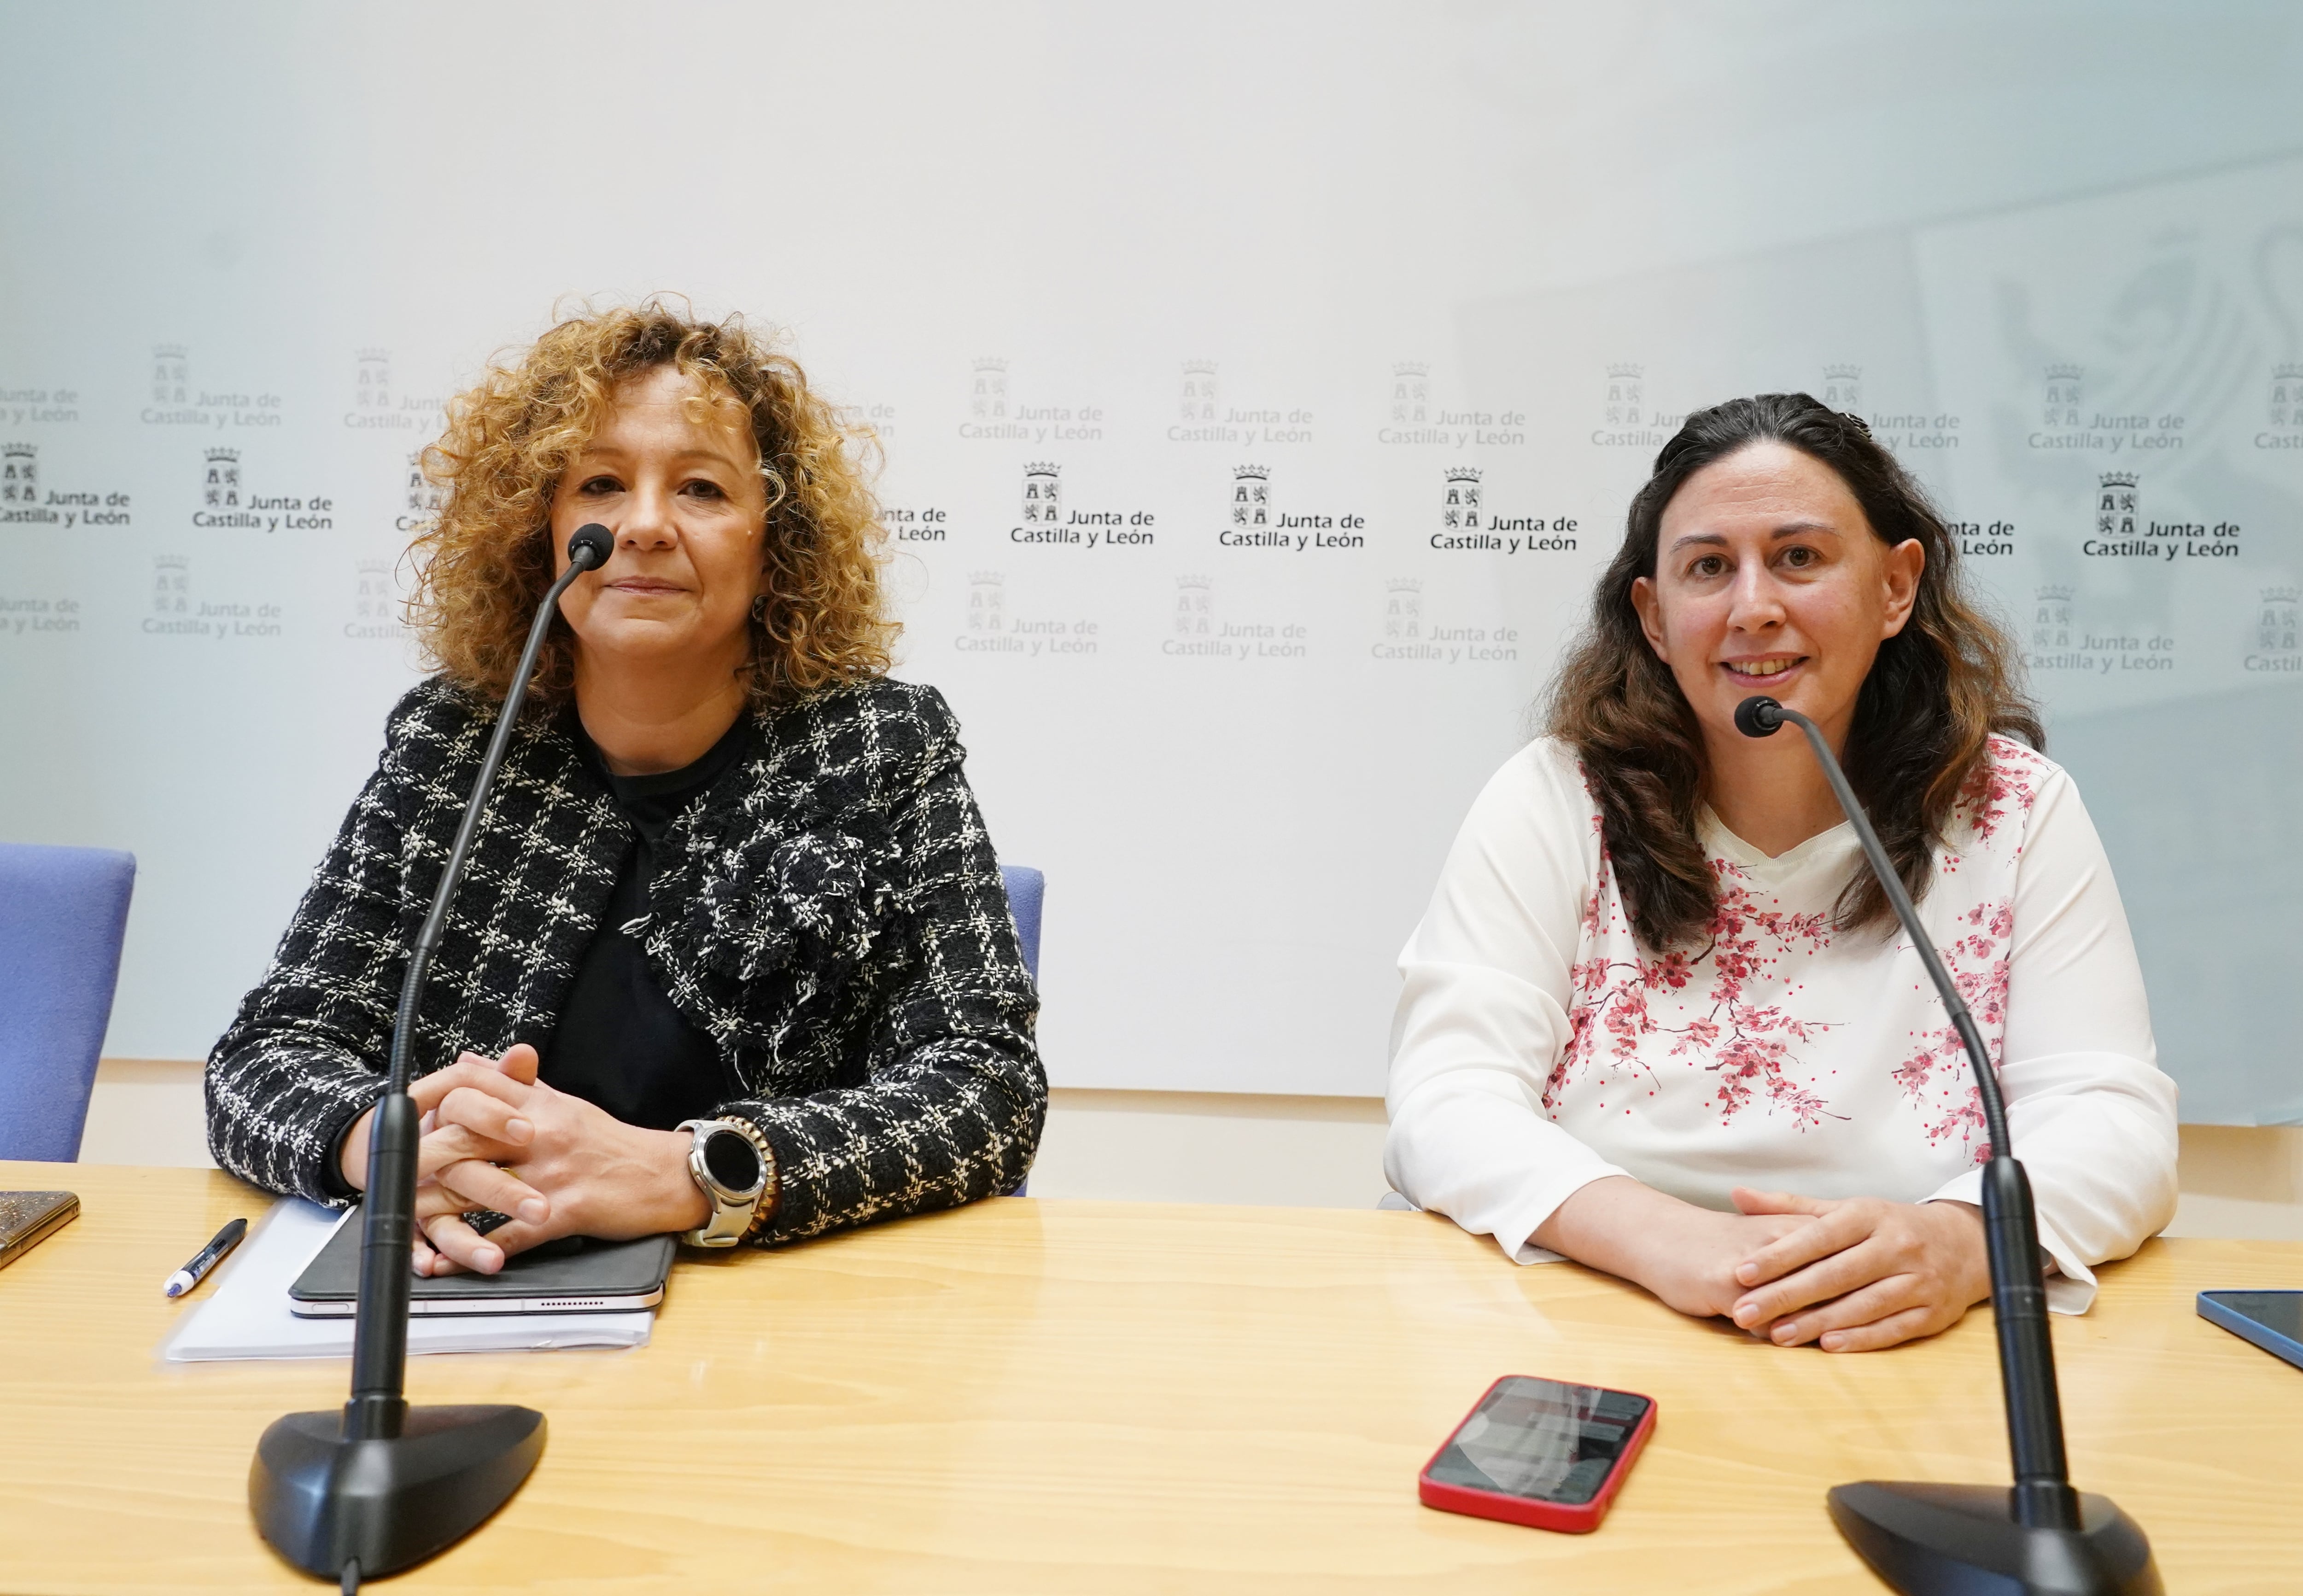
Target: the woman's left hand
pixel 1868 1274
pixel 603 1178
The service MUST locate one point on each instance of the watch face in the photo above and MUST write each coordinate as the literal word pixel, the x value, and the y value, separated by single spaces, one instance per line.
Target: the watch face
pixel 732 1160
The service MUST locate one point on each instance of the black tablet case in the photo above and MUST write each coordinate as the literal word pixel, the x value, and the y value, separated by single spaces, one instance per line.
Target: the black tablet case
pixel 575 1268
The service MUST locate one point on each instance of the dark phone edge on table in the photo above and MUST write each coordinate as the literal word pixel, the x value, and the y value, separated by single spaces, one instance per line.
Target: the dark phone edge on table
pixel 2247 1327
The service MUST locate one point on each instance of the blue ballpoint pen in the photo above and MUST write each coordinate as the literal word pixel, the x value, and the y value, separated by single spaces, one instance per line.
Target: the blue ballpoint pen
pixel 192 1273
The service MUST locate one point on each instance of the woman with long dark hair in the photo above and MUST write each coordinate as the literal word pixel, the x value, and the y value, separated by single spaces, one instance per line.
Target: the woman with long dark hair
pixel 1660 1018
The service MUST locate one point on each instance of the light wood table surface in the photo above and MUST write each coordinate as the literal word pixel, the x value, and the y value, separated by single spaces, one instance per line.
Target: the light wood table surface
pixel 1071 1397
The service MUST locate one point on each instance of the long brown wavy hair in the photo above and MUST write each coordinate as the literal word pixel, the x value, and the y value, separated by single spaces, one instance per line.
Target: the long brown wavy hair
pixel 1936 693
pixel 483 567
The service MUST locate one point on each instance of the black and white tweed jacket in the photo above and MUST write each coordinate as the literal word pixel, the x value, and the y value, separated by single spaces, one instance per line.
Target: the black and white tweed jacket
pixel 829 911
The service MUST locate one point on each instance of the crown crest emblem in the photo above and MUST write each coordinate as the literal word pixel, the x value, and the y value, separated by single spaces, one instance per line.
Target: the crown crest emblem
pixel 1842 373
pixel 1627 368
pixel 2287 370
pixel 1042 469
pixel 1463 473
pixel 2282 595
pixel 1259 473
pixel 2056 594
pixel 373 567
pixel 169 351
pixel 1194 584
pixel 224 456
pixel 2119 479
pixel 2063 372
pixel 20 451
pixel 991 363
pixel 373 354
pixel 1199 368
pixel 1411 368
pixel 986 579
pixel 170 562
pixel 1405 584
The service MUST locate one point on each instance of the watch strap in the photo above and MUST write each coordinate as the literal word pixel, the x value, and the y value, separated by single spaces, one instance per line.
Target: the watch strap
pixel 736 1215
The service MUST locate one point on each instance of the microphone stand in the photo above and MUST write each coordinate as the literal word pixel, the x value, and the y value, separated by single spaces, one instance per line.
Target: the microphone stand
pixel 382 1485
pixel 2042 1536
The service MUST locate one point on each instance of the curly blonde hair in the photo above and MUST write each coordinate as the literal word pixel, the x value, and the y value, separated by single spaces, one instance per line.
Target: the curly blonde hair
pixel 483 567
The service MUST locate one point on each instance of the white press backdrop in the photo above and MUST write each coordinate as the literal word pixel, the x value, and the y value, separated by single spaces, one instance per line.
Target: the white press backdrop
pixel 1352 269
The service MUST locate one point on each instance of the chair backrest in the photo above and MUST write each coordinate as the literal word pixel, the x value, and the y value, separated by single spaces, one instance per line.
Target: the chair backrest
pixel 63 914
pixel 1025 888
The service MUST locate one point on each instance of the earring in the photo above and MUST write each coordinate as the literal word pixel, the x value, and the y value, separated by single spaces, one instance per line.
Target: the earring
pixel 760 607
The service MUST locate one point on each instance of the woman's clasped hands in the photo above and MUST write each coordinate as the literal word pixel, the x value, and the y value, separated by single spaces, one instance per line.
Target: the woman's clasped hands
pixel 496 1138
pixel 1862 1274
pixel 1849 1275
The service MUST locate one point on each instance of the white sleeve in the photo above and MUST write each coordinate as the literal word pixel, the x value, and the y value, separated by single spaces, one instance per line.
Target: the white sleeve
pixel 2090 1114
pixel 1482 1019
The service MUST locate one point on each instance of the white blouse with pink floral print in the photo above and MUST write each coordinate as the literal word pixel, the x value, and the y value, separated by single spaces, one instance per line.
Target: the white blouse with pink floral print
pixel 1538 1046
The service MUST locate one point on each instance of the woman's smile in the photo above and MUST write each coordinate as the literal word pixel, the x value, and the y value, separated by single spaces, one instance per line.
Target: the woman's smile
pixel 1774 670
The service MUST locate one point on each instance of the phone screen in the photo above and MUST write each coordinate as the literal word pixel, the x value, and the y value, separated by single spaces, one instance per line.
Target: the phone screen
pixel 2281 1312
pixel 1540 1440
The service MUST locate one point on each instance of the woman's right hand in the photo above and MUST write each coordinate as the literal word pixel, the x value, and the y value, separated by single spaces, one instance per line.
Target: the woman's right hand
pixel 1685 1255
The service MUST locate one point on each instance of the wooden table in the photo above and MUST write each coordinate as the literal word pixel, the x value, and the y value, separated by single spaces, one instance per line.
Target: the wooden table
pixel 1063 1397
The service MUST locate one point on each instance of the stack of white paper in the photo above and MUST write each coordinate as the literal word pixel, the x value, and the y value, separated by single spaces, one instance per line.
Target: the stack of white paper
pixel 248 1317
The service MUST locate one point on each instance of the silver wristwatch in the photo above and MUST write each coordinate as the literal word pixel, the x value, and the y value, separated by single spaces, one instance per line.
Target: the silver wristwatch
pixel 729 1163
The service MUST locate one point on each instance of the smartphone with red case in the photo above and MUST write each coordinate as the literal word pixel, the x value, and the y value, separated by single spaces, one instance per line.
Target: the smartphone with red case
pixel 1538 1452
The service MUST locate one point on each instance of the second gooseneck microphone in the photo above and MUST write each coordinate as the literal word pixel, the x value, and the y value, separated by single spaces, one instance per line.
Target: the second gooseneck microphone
pixel 2042 1534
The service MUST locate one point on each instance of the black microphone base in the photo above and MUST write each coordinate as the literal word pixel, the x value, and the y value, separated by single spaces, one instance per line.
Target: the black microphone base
pixel 323 1501
pixel 1963 1541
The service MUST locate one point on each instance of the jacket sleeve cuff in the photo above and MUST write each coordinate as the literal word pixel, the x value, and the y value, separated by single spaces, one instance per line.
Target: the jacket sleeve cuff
pixel 325 1184
pixel 330 1187
pixel 799 1194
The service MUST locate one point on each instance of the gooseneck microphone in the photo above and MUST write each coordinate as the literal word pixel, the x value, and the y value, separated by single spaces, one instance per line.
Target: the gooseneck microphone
pixel 382 1485
pixel 2042 1536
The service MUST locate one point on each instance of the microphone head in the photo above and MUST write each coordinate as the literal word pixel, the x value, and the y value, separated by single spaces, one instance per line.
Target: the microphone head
pixel 1758 715
pixel 589 546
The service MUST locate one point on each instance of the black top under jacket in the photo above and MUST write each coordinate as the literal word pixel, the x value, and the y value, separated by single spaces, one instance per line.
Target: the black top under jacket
pixel 619 1043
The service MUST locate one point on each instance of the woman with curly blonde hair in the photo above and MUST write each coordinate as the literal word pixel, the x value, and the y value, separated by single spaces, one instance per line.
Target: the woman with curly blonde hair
pixel 733 960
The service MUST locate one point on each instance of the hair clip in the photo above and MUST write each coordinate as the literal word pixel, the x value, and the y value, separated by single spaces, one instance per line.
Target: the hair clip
pixel 1855 421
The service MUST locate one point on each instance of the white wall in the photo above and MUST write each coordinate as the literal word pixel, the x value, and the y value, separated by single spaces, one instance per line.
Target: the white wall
pixel 1402 240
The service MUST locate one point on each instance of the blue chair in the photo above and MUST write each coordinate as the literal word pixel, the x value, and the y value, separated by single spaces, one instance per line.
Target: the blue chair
pixel 62 913
pixel 1025 886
